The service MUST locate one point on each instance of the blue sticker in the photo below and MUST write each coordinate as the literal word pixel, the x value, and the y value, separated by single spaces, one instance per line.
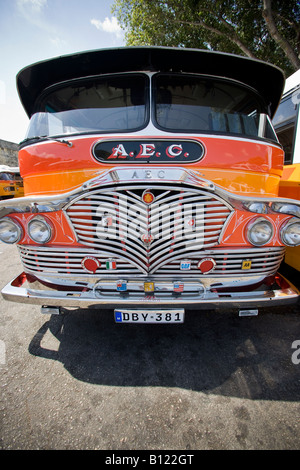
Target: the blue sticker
pixel 185 265
pixel 121 286
pixel 118 316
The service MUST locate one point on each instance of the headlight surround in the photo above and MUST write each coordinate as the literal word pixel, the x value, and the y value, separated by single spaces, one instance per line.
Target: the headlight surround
pixel 258 207
pixel 40 230
pixel 259 231
pixel 10 231
pixel 290 232
pixel 286 208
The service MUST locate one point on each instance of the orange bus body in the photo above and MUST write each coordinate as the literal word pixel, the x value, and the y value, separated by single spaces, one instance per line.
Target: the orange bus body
pixel 287 125
pixel 151 180
pixel 11 184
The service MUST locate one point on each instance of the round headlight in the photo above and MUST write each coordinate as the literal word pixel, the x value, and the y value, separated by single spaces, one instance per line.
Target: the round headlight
pixel 39 230
pixel 260 231
pixel 10 231
pixel 290 232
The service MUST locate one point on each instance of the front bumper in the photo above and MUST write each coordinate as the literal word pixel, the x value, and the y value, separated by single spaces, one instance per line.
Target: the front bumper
pixel 25 289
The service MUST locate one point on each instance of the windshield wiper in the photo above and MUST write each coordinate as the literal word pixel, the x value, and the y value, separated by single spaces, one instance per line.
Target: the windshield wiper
pixel 46 137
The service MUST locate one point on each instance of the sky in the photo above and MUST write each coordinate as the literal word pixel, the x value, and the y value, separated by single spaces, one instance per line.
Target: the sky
pixel 35 30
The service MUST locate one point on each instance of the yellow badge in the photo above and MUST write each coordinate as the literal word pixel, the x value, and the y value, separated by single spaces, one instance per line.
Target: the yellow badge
pixel 149 286
pixel 246 264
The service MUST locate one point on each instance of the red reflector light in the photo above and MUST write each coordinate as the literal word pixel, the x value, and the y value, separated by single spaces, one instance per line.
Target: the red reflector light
pixel 206 265
pixel 19 281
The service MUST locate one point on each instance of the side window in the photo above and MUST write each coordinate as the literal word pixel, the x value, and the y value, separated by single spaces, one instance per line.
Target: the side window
pixel 286 137
pixel 285 122
pixel 55 125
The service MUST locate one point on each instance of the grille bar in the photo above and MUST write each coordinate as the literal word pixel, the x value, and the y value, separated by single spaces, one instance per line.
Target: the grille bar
pixel 55 261
pixel 264 261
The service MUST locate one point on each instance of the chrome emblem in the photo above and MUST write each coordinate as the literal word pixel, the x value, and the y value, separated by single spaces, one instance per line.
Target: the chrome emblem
pixel 148 197
pixel 147 238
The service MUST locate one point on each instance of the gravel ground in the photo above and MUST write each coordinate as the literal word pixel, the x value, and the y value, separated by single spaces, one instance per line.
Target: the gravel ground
pixel 80 381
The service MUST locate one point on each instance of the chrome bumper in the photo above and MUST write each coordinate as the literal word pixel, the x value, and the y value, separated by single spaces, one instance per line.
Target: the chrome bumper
pixel 24 290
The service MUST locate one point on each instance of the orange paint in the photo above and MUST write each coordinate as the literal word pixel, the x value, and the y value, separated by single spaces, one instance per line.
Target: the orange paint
pixel 240 166
pixel 62 234
pixel 233 236
pixel 235 232
pixel 290 187
pixel 290 182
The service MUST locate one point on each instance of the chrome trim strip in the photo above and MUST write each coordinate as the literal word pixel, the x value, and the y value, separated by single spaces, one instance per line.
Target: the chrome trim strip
pixel 145 175
pixel 150 130
pixel 17 291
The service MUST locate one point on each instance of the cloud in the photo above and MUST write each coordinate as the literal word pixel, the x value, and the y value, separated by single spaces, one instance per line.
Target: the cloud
pixel 57 42
pixel 33 12
pixel 109 25
pixel 36 5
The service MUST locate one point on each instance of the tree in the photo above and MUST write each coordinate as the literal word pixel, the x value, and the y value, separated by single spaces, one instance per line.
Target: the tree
pixel 264 29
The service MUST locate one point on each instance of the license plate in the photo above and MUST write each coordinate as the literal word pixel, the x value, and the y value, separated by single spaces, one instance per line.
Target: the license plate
pixel 149 316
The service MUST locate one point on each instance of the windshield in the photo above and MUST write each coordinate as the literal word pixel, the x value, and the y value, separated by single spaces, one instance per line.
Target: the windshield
pixel 102 104
pixel 121 103
pixel 7 176
pixel 194 103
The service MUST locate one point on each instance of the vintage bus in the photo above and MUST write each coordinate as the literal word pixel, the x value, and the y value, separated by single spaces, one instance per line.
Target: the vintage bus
pixel 11 183
pixel 287 125
pixel 151 181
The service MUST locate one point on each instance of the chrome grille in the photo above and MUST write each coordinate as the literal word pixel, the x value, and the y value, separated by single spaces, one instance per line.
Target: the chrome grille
pixel 229 262
pixel 62 262
pixel 65 262
pixel 180 222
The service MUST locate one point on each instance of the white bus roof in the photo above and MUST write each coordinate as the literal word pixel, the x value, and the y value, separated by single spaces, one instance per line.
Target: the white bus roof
pixel 10 169
pixel 292 81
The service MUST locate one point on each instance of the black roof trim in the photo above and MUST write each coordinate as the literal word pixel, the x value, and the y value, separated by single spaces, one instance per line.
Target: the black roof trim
pixel 267 79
